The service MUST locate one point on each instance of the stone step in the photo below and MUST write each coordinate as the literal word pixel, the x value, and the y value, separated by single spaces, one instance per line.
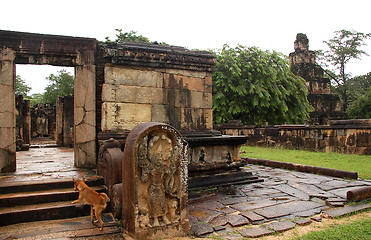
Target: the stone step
pixel 45 196
pixel 79 227
pixel 222 179
pixel 28 186
pixel 43 211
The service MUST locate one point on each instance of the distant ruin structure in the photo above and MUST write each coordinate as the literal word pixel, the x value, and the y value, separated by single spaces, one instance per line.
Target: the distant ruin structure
pixel 303 63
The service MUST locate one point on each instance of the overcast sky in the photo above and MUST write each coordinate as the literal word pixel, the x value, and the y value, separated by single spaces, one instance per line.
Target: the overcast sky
pixel 201 24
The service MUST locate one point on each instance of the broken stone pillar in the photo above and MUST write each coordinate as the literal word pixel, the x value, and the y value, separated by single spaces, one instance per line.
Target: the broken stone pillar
pixel 7 111
pixel 64 121
pixel 155 179
pixel 23 123
pixel 27 122
pixel 59 121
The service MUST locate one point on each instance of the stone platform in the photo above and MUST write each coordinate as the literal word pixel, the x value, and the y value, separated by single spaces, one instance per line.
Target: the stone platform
pixel 283 200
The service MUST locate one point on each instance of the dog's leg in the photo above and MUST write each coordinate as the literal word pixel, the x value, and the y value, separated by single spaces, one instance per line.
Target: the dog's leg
pixel 98 215
pixel 78 200
pixel 91 214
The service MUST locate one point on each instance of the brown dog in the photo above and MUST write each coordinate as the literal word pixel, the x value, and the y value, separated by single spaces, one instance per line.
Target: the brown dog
pixel 97 201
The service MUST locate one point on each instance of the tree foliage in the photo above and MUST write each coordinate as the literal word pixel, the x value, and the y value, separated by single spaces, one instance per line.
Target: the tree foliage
pixel 342 48
pixel 61 84
pixel 128 37
pixel 257 86
pixel 360 96
pixel 21 87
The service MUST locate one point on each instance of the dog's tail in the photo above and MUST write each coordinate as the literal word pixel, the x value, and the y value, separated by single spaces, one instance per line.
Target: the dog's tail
pixel 106 199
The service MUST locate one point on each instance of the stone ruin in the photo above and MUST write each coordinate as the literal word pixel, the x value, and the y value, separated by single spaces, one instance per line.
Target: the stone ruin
pixel 303 63
pixel 119 88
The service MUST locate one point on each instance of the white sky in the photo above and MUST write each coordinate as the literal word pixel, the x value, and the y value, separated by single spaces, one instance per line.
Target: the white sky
pixel 201 24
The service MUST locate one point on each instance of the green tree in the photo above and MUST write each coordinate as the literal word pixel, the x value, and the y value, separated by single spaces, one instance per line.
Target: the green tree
pixel 358 86
pixel 21 87
pixel 361 108
pixel 36 98
pixel 342 48
pixel 128 37
pixel 61 84
pixel 257 86
pixel 359 96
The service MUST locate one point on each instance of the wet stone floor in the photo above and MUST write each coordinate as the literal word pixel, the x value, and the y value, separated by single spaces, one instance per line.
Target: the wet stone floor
pixel 45 163
pixel 283 200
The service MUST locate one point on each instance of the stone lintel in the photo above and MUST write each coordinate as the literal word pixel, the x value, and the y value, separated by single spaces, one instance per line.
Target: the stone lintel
pixel 33 43
pixel 158 56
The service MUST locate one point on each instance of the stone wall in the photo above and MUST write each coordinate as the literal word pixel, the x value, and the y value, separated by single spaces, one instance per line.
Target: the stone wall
pixel 342 136
pixel 141 85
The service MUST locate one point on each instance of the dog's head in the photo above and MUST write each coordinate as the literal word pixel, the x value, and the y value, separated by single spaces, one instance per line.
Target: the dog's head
pixel 77 184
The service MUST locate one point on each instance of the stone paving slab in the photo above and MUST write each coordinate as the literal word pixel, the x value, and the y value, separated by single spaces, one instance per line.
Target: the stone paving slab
pixel 239 221
pixel 339 212
pixel 255 232
pixel 281 226
pixel 253 217
pixel 201 228
pixel 303 221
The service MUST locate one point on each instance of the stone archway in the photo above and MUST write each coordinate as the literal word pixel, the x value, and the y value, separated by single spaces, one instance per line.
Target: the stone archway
pixel 28 48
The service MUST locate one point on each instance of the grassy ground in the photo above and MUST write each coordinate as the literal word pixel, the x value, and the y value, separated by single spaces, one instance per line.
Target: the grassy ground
pixel 355 230
pixel 348 162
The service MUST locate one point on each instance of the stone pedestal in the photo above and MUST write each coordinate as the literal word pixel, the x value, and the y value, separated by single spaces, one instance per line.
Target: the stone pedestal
pixel 155 179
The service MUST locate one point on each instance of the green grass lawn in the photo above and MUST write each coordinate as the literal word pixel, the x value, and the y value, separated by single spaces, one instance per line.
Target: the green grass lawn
pixel 356 163
pixel 357 230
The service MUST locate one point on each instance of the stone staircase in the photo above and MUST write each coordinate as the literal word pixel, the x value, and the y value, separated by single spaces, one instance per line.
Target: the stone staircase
pixel 42 200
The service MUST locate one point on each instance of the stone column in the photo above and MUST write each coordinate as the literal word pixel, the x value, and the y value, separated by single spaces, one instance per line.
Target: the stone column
pixel 84 116
pixel 155 182
pixel 7 111
pixel 68 121
pixel 59 121
pixel 27 122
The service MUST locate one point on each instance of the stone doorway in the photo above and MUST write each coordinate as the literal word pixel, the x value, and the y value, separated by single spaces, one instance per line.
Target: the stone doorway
pixel 27 48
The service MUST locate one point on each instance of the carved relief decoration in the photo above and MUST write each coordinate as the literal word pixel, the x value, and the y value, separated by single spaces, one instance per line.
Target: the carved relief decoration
pixel 158 159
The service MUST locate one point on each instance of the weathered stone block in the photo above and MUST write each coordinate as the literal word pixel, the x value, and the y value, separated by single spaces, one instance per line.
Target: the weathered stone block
pixel 160 113
pixel 194 119
pixel 132 94
pixel 120 116
pixel 187 73
pixel 7 119
pixel 119 75
pixel 172 81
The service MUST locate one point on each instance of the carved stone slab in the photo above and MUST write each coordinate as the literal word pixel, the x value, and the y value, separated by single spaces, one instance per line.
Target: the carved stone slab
pixel 155 182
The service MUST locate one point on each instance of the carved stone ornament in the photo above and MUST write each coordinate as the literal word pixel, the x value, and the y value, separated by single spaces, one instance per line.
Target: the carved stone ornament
pixel 159 158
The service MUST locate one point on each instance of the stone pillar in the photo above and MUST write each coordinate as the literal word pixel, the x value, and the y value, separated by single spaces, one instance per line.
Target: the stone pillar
pixel 155 182
pixel 27 122
pixel 7 111
pixel 59 121
pixel 68 121
pixel 84 116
